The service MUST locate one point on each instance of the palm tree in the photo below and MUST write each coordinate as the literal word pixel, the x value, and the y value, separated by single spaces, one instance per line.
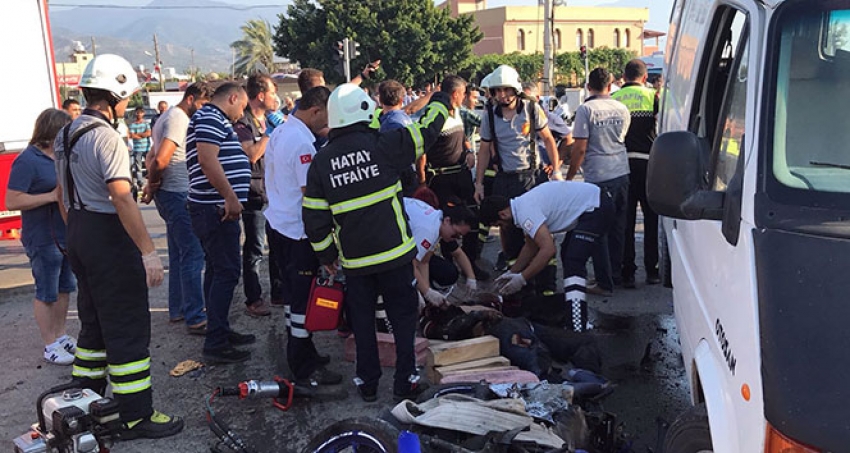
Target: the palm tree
pixel 254 48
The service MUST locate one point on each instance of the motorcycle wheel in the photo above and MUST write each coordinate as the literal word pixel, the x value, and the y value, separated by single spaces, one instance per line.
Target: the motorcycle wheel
pixel 356 435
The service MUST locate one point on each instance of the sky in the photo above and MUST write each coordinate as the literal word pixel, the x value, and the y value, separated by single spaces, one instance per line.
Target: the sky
pixel 659 10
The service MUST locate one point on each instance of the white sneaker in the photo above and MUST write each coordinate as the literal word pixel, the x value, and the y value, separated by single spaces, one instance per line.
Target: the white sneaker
pixel 57 355
pixel 68 342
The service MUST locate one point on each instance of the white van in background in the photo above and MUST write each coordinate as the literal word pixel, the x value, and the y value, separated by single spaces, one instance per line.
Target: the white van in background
pixel 751 172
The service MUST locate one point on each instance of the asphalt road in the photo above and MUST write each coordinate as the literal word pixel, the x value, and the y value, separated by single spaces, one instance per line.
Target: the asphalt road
pixel 649 384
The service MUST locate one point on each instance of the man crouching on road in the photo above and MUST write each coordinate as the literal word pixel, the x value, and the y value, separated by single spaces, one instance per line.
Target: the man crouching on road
pixel 582 210
pixel 353 201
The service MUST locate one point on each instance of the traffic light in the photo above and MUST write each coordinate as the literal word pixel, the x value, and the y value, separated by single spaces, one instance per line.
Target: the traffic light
pixel 338 57
pixel 353 49
pixel 583 50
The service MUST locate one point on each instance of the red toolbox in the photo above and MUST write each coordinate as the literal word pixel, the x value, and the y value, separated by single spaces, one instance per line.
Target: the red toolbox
pixel 324 308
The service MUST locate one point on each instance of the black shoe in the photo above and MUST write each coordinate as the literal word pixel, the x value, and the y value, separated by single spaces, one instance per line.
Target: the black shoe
pixel 321 376
pixel 629 282
pixel 227 354
pixel 369 393
pixel 501 262
pixel 240 339
pixel 653 279
pixel 157 426
pixel 480 274
pixel 411 392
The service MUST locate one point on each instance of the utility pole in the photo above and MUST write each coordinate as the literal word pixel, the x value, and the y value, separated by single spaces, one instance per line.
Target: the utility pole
pixel 547 48
pixel 158 63
pixel 346 55
pixel 93 48
pixel 192 69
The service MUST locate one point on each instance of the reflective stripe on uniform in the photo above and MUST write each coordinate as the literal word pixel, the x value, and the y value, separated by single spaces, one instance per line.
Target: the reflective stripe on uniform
pixel 490 173
pixel 400 220
pixel 91 373
pixel 315 203
pixel 91 354
pixel 366 200
pixel 418 141
pixel 125 369
pixel 124 388
pixel 323 244
pixel 435 108
pixel 380 258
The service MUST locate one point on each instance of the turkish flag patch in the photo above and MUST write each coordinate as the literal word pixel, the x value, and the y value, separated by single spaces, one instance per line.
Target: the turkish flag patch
pixel 306 159
pixel 425 244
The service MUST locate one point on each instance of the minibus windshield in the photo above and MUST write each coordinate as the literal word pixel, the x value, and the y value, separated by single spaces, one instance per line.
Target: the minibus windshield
pixel 810 156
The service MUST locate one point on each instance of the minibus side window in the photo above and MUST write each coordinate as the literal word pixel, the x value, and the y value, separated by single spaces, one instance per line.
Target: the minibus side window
pixel 731 133
pixel 719 116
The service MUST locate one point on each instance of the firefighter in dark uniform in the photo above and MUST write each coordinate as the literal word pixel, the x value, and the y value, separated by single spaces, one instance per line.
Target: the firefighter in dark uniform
pixel 354 216
pixel 448 166
pixel 110 251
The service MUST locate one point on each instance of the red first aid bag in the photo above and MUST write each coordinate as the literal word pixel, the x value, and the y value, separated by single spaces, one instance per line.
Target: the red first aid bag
pixel 324 308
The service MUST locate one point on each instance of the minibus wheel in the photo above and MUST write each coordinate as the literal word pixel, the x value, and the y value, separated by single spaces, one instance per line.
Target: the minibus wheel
pixel 690 433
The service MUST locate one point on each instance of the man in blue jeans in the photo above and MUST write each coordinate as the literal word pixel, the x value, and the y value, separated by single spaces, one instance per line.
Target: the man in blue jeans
pixel 168 185
pixel 253 132
pixel 219 177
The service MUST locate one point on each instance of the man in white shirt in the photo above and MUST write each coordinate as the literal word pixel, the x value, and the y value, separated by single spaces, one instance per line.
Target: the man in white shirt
pixel 582 210
pixel 288 156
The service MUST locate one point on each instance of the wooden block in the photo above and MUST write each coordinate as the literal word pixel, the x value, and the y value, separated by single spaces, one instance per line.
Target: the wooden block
pixel 386 349
pixel 494 377
pixel 435 373
pixel 480 363
pixel 453 352
pixel 471 374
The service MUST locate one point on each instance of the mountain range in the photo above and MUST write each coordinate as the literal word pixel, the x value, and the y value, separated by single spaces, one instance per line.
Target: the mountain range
pixel 129 32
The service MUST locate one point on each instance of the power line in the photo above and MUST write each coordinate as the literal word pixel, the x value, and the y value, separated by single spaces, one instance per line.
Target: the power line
pixel 161 7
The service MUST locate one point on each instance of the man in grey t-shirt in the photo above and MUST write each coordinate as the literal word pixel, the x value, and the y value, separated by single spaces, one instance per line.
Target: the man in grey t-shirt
pixel 599 131
pixel 168 185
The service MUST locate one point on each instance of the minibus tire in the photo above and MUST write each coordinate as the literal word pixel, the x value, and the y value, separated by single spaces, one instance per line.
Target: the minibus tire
pixel 690 433
pixel 664 265
pixel 362 434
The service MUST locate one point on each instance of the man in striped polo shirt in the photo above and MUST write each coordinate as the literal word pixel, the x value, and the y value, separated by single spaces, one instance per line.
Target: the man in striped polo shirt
pixel 219 177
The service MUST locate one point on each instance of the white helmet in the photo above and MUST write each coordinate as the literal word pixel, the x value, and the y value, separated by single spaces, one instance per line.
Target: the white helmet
pixel 349 104
pixel 485 82
pixel 505 76
pixel 110 73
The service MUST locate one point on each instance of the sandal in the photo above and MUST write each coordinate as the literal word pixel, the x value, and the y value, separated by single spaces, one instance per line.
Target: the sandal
pixel 185 367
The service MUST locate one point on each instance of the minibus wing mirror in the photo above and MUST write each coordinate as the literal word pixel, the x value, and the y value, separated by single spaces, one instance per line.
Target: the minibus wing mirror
pixel 676 178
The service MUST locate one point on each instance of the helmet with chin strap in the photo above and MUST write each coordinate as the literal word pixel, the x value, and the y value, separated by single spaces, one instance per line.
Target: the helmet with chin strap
pixel 505 77
pixel 349 104
pixel 112 74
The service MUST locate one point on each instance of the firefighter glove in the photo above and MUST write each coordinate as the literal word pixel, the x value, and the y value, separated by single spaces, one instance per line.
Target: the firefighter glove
pixel 153 269
pixel 471 284
pixel 509 283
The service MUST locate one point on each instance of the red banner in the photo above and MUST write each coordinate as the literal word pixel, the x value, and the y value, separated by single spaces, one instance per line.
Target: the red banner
pixel 69 80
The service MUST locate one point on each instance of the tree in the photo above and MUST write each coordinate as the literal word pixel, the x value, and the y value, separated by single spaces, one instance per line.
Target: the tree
pixel 414 40
pixel 569 67
pixel 254 48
